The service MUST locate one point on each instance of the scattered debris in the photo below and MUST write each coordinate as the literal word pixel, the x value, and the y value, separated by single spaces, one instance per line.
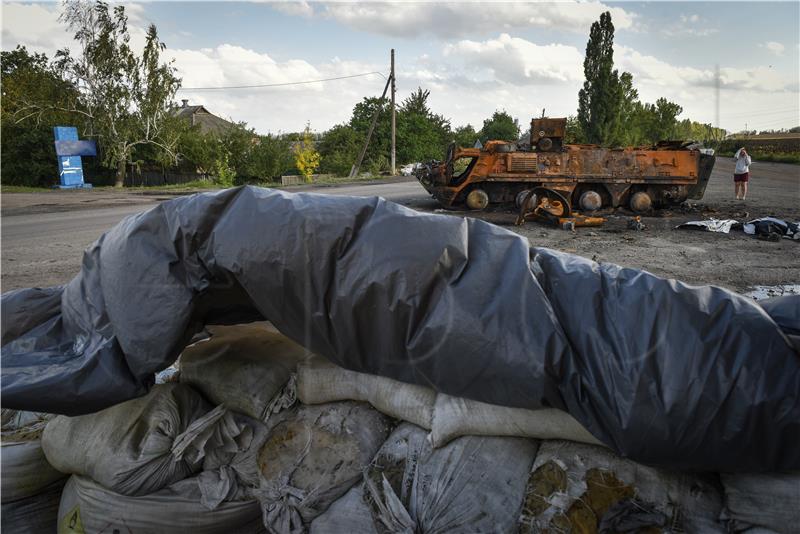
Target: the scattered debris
pixel 765 292
pixel 636 224
pixel 772 228
pixel 711 225
pixel 550 206
pixel 766 228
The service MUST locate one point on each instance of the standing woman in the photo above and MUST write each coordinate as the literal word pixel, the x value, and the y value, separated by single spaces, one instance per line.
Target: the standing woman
pixel 742 173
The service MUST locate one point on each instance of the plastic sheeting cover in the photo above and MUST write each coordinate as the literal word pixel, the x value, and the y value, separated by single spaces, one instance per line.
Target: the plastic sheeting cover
pixel 663 372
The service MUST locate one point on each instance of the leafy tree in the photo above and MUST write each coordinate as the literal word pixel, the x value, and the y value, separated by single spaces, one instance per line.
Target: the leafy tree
pixel 501 126
pixel 27 153
pixel 198 150
pixel 126 99
pixel 421 134
pixel 600 102
pixel 306 157
pixel 338 149
pixel 248 156
pixel 627 129
pixel 655 122
pixel 573 132
pixel 271 157
pixel 380 143
pixel 240 144
pixel 465 136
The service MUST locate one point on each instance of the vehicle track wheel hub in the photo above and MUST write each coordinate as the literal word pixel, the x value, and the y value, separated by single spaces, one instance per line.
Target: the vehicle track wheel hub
pixel 477 199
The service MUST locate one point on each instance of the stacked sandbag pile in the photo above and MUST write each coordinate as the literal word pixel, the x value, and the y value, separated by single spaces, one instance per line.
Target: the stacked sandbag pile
pixel 230 449
pixel 473 473
pixel 184 457
pixel 31 487
pixel 138 464
pixel 474 484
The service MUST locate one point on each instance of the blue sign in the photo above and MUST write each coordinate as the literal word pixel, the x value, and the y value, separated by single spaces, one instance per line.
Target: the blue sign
pixel 69 151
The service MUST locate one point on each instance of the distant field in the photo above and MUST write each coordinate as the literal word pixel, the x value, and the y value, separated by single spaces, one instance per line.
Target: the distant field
pixel 783 148
pixel 787 135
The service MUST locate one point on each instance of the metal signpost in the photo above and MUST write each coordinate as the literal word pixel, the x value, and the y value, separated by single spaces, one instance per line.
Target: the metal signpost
pixel 69 151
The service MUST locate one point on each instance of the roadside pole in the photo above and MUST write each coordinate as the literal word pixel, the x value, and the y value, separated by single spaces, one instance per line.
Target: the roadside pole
pixel 394 168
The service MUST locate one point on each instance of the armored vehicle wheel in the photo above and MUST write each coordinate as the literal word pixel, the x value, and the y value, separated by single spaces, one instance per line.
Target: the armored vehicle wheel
pixel 641 202
pixel 477 199
pixel 590 201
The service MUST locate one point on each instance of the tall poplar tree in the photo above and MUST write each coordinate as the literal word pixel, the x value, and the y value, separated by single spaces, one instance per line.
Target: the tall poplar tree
pixel 600 102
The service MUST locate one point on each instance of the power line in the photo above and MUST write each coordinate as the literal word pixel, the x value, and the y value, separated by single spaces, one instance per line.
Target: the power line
pixel 761 113
pixel 279 84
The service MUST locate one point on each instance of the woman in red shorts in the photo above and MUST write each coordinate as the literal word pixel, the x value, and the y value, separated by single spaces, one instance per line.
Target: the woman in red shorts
pixel 742 173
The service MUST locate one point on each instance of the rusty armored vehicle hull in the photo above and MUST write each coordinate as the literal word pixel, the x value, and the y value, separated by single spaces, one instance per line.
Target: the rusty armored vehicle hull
pixel 587 177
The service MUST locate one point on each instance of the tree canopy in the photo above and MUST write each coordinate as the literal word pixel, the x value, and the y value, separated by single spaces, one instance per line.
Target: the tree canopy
pixel 501 127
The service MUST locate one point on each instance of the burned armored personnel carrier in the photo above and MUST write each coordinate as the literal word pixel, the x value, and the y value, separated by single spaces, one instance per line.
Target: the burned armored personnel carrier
pixel 583 177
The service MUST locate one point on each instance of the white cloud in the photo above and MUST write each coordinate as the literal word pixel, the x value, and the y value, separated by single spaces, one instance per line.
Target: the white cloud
pixel 35 26
pixel 690 26
pixel 521 62
pixel 295 8
pixel 452 20
pixel 651 70
pixel 775 48
pixel 273 109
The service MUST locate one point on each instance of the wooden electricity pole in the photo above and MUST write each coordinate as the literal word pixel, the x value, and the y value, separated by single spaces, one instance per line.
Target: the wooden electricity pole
pixel 394 169
pixel 357 166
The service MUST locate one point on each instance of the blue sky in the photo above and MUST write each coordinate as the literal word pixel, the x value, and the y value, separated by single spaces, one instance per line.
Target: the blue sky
pixel 475 57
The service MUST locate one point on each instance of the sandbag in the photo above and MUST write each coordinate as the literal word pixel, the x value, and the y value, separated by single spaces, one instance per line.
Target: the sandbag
pixel 575 487
pixel 320 381
pixel 312 457
pixel 130 448
pixel 349 513
pixel 37 514
pixel 88 508
pixel 474 484
pixel 243 367
pixel 455 416
pixel 25 470
pixel 766 500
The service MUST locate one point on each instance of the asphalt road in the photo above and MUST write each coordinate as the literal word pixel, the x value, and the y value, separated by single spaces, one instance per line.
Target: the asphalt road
pixel 42 249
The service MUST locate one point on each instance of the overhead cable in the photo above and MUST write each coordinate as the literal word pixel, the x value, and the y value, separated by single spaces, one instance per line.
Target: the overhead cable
pixel 258 86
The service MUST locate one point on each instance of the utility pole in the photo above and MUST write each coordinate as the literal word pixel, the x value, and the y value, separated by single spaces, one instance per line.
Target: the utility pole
pixel 357 166
pixel 394 168
pixel 716 92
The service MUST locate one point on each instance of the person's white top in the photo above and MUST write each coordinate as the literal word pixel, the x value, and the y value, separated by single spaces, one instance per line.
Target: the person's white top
pixel 742 162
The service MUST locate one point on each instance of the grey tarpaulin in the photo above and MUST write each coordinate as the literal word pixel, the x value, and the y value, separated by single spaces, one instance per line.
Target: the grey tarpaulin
pixel 662 372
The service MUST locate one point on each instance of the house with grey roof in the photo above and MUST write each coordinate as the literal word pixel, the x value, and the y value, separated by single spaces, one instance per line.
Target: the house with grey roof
pixel 200 116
